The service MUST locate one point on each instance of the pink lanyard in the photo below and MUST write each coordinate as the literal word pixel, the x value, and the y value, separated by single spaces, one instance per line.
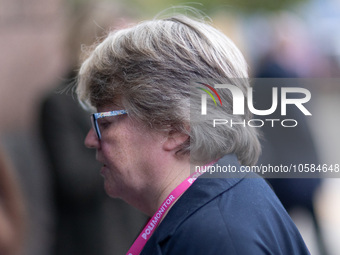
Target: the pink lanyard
pixel 152 224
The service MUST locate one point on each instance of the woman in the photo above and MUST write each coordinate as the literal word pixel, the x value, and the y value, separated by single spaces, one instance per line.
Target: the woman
pixel 149 133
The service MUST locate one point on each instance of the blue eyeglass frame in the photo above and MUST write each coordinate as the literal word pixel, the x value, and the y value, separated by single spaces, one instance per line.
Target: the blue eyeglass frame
pixel 99 115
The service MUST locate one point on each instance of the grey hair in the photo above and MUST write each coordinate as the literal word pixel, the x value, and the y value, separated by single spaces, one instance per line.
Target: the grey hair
pixel 152 70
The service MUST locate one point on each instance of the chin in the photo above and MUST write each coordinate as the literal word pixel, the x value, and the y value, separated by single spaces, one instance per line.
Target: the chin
pixel 110 190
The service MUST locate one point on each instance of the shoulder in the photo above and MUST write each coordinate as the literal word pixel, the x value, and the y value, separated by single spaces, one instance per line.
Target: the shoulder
pixel 244 219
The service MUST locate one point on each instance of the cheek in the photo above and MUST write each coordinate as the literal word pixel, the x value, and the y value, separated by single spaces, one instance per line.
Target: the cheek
pixel 117 153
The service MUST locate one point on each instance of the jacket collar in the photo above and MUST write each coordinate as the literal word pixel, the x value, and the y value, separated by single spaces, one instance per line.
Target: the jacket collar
pixel 203 190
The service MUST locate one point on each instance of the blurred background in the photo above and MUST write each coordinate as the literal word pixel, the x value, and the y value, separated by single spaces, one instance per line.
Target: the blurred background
pixel 40 44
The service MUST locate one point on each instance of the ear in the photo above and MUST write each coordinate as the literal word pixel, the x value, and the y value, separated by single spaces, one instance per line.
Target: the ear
pixel 174 140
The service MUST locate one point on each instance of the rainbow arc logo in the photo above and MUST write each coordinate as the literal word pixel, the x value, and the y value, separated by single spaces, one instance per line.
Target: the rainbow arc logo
pixel 204 96
pixel 209 93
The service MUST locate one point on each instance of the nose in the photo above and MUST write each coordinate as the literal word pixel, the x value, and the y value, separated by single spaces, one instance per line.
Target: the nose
pixel 91 140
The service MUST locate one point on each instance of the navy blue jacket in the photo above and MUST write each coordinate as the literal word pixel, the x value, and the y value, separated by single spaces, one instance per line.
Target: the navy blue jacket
pixel 227 216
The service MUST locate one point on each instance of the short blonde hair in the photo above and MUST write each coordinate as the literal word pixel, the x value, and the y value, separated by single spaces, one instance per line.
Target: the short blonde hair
pixel 151 68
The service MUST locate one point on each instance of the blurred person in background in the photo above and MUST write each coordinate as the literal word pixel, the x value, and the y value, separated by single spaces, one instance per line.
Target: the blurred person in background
pixel 147 138
pixel 87 222
pixel 11 210
pixel 290 55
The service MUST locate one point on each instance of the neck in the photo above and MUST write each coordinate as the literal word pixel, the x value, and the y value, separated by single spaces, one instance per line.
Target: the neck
pixel 156 194
pixel 170 185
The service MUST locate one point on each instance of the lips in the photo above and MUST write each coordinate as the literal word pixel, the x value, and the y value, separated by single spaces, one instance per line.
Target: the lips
pixel 100 160
pixel 103 170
